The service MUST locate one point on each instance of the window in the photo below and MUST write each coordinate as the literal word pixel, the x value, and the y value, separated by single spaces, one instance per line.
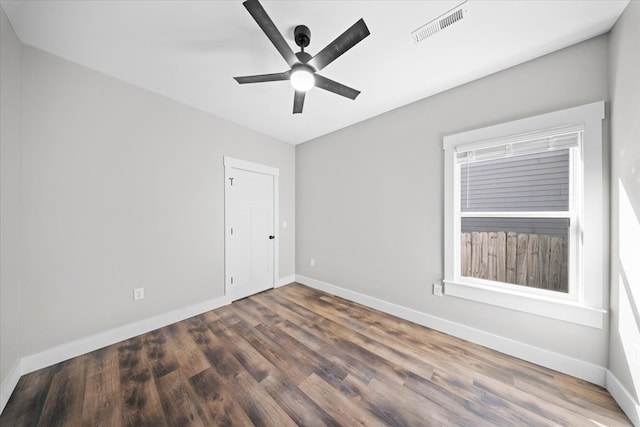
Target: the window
pixel 517 211
pixel 520 230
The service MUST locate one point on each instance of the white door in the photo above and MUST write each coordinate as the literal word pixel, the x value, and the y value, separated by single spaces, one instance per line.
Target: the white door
pixel 250 243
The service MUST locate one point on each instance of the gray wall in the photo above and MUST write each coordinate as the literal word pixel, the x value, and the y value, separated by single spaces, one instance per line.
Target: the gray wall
pixel 122 188
pixel 369 198
pixel 10 53
pixel 624 352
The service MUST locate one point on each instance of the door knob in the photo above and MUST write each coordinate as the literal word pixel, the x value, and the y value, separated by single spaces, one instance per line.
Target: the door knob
pixel 272 237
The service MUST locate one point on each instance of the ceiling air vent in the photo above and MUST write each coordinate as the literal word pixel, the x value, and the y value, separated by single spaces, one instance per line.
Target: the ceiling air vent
pixel 443 21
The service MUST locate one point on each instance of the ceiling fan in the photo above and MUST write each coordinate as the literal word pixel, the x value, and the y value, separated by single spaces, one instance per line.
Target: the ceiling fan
pixel 303 73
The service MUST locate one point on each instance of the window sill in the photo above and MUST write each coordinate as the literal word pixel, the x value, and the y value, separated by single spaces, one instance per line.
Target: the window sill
pixel 568 311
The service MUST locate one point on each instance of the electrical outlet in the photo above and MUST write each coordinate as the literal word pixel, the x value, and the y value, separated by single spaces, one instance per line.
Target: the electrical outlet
pixel 312 262
pixel 284 224
pixel 138 294
pixel 437 289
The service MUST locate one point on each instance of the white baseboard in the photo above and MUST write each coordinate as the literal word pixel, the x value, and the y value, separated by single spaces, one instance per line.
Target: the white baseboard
pixel 85 345
pixel 9 384
pixel 565 364
pixel 285 280
pixel 620 394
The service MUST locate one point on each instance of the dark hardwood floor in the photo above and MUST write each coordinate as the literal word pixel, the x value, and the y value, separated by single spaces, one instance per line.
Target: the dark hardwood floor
pixel 296 356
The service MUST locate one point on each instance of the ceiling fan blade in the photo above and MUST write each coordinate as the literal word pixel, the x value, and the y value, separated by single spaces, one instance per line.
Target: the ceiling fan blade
pixel 335 87
pixel 298 101
pixel 274 77
pixel 260 15
pixel 340 45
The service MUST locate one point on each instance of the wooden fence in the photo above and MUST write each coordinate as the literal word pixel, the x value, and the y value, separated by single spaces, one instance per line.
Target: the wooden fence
pixel 534 260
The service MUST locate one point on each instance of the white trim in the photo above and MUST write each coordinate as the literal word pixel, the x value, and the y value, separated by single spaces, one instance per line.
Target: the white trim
pixel 516 214
pixel 9 384
pixel 81 346
pixel 593 260
pixel 569 311
pixel 536 124
pixel 285 280
pixel 250 166
pixel 549 359
pixel 621 395
pixel 231 163
pixel 522 137
pixel 276 228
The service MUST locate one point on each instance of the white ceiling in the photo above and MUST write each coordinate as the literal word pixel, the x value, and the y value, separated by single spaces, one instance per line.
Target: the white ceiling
pixel 191 50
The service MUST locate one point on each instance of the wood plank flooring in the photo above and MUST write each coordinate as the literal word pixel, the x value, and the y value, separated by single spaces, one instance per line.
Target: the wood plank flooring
pixel 295 356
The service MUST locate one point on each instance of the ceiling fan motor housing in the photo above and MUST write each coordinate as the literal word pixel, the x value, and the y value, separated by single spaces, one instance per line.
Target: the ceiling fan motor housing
pixel 302 36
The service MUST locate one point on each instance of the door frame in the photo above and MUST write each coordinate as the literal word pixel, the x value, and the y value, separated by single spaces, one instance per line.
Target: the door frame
pixel 231 163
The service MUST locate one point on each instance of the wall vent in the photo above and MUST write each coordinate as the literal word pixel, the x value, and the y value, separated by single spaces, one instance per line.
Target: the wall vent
pixel 443 21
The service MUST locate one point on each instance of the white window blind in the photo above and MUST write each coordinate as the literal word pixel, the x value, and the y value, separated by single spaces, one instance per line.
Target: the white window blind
pixel 540 142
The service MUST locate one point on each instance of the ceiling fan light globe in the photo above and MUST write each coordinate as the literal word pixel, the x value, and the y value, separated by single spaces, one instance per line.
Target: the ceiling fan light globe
pixel 302 79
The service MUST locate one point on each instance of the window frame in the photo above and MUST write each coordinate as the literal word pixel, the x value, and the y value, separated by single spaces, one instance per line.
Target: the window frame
pixel 584 302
